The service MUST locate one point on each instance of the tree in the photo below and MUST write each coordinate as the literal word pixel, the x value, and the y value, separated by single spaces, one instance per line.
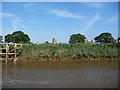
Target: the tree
pixel 104 38
pixel 77 38
pixel 118 39
pixel 1 38
pixel 8 38
pixel 17 37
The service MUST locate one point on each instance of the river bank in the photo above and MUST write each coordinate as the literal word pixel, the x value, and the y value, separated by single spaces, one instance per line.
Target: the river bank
pixel 68 52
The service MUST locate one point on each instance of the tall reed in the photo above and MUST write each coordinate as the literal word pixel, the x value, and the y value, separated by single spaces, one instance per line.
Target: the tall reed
pixel 68 51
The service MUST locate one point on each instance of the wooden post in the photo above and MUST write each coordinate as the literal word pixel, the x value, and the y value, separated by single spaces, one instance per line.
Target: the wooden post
pixel 15 51
pixel 0 51
pixel 7 48
pixel 6 52
pixel 9 54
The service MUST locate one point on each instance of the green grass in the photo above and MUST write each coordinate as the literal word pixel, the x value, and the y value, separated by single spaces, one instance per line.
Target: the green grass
pixel 68 51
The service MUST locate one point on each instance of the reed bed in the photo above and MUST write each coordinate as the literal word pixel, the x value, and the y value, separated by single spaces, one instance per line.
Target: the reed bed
pixel 68 51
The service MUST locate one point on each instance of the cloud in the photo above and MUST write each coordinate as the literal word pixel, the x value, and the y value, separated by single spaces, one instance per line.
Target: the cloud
pixel 91 22
pixel 16 21
pixel 28 5
pixel 64 13
pixel 96 5
pixel 110 20
pixel 32 7
pixel 8 15
pixel 17 24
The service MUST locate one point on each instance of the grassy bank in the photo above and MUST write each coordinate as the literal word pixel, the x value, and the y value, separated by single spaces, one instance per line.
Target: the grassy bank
pixel 68 51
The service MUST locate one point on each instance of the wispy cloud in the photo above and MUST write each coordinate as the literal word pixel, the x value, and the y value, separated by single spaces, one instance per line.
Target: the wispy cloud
pixel 110 20
pixel 17 24
pixel 64 13
pixel 32 7
pixel 16 21
pixel 91 23
pixel 28 5
pixel 8 15
pixel 95 4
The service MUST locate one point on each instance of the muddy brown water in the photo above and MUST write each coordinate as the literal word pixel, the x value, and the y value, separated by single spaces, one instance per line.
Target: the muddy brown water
pixel 60 74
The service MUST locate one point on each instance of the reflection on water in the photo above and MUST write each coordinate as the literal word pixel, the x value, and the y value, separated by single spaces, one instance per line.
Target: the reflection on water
pixel 60 74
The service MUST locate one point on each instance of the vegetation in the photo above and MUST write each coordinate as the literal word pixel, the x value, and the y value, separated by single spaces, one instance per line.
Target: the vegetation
pixel 1 38
pixel 68 51
pixel 104 38
pixel 77 49
pixel 118 39
pixel 77 38
pixel 17 37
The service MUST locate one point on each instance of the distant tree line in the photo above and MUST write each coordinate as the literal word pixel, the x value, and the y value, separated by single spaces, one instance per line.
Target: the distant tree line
pixel 16 37
pixel 102 38
pixel 21 37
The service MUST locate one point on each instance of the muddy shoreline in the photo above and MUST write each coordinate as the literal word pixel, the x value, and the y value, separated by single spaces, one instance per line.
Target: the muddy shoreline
pixel 68 60
pixel 64 60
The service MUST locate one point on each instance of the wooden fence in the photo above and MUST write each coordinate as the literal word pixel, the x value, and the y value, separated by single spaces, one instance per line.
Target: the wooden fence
pixel 8 51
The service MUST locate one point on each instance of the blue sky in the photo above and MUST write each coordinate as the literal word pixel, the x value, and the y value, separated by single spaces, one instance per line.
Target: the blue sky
pixel 43 21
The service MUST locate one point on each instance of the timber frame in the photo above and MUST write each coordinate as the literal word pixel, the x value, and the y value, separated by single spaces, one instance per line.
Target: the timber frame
pixel 8 51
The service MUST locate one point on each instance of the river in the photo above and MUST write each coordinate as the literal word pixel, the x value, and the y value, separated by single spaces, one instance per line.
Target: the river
pixel 60 74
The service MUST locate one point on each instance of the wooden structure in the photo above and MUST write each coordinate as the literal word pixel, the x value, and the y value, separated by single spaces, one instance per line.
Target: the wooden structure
pixel 8 51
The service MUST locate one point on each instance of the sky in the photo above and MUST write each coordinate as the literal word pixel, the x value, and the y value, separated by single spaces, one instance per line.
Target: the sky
pixel 43 21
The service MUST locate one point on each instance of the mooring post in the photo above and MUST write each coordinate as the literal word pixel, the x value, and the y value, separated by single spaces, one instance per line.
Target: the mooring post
pixel 6 52
pixel 15 51
pixel 7 48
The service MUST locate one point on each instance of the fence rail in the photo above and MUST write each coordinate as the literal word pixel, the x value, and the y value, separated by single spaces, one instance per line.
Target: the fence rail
pixel 8 52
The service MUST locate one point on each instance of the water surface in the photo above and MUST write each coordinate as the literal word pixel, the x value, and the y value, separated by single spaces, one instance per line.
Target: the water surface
pixel 60 74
